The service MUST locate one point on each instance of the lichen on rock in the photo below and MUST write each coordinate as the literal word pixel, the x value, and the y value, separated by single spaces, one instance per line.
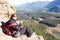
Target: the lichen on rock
pixel 6 9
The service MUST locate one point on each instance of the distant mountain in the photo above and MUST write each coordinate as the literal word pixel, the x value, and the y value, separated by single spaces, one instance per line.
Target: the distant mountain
pixel 55 9
pixel 53 3
pixel 33 6
pixel 54 6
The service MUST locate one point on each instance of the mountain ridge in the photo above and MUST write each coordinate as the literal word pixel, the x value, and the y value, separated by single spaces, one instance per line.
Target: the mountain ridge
pixel 33 6
pixel 39 5
pixel 54 6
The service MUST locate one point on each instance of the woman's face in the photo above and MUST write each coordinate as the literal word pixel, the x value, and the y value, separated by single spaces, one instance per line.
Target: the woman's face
pixel 15 18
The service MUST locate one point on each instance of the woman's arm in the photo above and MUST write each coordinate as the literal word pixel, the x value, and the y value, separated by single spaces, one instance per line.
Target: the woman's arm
pixel 19 23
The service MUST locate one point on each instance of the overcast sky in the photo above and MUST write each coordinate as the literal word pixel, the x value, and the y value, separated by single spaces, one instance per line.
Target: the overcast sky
pixel 19 2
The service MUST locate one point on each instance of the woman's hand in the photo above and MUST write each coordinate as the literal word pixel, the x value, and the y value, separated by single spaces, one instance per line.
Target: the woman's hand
pixel 18 22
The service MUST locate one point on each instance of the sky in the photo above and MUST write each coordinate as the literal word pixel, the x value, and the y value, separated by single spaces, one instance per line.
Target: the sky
pixel 20 2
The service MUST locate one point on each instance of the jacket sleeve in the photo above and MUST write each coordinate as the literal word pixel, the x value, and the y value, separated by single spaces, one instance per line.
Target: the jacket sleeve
pixel 14 28
pixel 7 30
pixel 8 22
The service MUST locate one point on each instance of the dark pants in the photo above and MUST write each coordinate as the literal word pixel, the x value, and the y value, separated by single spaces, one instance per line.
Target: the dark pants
pixel 23 31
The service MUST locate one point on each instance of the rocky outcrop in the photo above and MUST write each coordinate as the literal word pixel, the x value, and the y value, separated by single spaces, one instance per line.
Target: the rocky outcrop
pixel 23 37
pixel 6 9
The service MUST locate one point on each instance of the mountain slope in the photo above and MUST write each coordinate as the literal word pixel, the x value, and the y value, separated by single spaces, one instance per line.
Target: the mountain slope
pixel 55 9
pixel 54 6
pixel 33 6
pixel 53 3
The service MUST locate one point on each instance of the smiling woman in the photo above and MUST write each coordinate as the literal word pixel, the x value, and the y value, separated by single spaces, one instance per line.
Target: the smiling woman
pixel 19 2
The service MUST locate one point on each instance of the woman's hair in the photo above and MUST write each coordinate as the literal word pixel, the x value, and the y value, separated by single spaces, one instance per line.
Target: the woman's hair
pixel 13 15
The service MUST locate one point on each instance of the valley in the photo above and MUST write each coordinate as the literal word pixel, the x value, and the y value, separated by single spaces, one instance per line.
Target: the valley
pixel 42 17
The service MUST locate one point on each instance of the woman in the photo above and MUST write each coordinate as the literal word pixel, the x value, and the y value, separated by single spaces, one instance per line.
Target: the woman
pixel 13 28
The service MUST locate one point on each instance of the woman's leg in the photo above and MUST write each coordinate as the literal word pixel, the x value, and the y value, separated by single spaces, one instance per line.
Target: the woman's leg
pixel 26 31
pixel 29 32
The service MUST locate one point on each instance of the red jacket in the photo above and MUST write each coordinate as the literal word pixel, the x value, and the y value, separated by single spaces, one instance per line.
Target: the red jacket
pixel 8 32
